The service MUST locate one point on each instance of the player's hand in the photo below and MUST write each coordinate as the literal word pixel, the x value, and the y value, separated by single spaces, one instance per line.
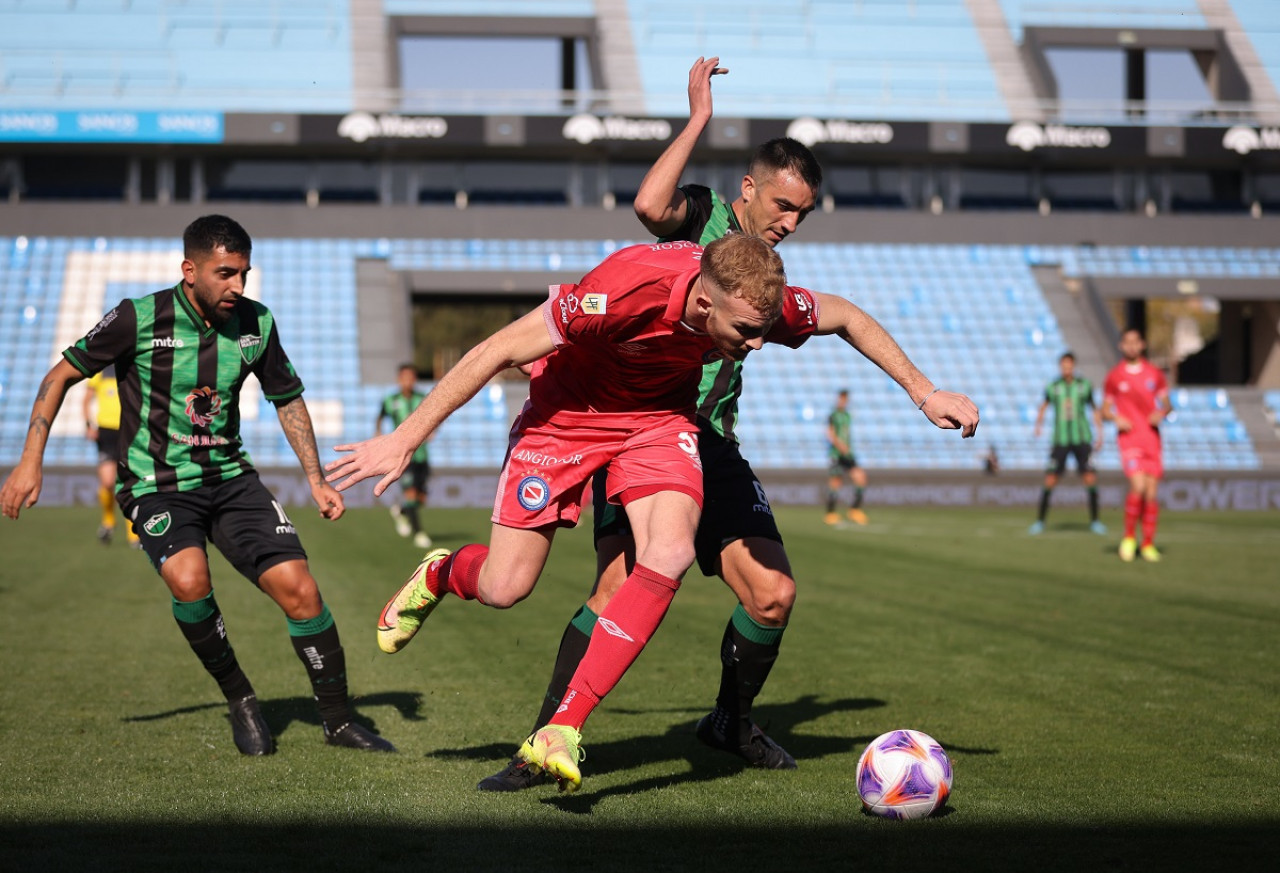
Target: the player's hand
pixel 700 85
pixel 1123 424
pixel 21 490
pixel 1156 418
pixel 91 434
pixel 951 411
pixel 380 456
pixel 1036 433
pixel 329 500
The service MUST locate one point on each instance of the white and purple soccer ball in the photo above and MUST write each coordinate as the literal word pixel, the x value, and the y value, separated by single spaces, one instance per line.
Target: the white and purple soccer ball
pixel 904 774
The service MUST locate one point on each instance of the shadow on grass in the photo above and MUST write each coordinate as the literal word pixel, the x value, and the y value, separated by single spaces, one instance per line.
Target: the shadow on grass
pixel 864 846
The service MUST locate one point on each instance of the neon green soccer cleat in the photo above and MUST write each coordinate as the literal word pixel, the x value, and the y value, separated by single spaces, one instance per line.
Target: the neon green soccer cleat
pixel 404 613
pixel 557 749
pixel 1149 553
pixel 1128 548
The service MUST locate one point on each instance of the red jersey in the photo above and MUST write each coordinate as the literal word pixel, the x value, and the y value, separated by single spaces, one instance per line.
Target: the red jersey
pixel 1132 390
pixel 624 356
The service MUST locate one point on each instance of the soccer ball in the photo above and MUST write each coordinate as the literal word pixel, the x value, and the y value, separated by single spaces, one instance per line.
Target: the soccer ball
pixel 904 774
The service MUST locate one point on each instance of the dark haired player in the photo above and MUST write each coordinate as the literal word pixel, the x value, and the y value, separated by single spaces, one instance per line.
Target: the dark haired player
pixel 1070 396
pixel 396 407
pixel 737 537
pixel 181 356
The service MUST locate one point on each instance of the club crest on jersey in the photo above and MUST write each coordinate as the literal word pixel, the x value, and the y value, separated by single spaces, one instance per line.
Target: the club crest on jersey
pixel 203 406
pixel 533 493
pixel 594 304
pixel 157 525
pixel 250 347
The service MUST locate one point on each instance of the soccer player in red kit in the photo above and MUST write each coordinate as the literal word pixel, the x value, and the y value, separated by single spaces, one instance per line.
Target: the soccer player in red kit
pixel 1136 398
pixel 624 351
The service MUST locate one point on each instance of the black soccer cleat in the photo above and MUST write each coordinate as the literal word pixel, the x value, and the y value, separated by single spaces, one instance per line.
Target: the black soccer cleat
pixel 248 727
pixel 759 751
pixel 516 776
pixel 354 736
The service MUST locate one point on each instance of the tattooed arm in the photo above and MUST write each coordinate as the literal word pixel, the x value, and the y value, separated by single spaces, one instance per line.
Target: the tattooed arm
pixel 22 488
pixel 295 420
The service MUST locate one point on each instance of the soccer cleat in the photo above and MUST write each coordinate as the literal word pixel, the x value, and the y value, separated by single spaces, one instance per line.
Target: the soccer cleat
pixel 1097 527
pixel 857 516
pixel 831 518
pixel 355 736
pixel 1037 528
pixel 759 751
pixel 1127 549
pixel 402 524
pixel 421 540
pixel 104 534
pixel 516 776
pixel 248 727
pixel 1149 553
pixel 405 611
pixel 556 749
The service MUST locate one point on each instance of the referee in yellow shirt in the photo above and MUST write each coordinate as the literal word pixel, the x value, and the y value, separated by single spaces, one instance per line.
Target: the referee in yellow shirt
pixel 103 428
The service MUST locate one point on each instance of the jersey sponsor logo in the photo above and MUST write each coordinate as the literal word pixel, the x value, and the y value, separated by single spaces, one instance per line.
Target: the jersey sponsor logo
pixel 198 440
pixel 157 525
pixel 763 505
pixel 1243 139
pixel 533 493
pixel 631 350
pixel 203 406
pixel 250 347
pixel 362 126
pixel 811 131
pixel 612 629
pixel 167 342
pixel 585 128
pixel 595 304
pixel 106 319
pixel 544 460
pixel 1029 136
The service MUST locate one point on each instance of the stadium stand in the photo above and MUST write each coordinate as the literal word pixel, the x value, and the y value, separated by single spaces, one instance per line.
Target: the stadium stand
pixel 972 312
pixel 1163 14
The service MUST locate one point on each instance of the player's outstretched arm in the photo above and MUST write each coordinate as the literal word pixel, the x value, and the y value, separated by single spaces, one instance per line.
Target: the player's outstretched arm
pixel 521 342
pixel 22 488
pixel 946 409
pixel 295 421
pixel 659 203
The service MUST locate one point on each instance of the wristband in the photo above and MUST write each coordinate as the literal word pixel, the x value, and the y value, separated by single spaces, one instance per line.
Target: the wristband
pixel 925 399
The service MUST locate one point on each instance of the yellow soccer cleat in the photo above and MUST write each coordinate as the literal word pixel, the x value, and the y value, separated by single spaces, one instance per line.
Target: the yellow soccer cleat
pixel 556 749
pixel 1128 547
pixel 404 613
pixel 857 516
pixel 831 518
pixel 1149 553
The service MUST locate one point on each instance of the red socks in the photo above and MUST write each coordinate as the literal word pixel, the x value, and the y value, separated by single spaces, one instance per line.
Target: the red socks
pixel 460 572
pixel 1150 515
pixel 621 632
pixel 1132 509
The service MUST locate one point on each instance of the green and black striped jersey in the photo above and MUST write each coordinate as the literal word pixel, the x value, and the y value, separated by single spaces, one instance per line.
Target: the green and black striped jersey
pixel 179 384
pixel 708 217
pixel 841 423
pixel 1071 401
pixel 397 407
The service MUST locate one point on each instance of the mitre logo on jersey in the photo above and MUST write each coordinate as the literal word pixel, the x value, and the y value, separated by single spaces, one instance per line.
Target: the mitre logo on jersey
pixel 1243 139
pixel 362 126
pixel 811 131
pixel 203 405
pixel 533 493
pixel 1029 136
pixel 586 128
pixel 167 342
pixel 594 304
pixel 250 347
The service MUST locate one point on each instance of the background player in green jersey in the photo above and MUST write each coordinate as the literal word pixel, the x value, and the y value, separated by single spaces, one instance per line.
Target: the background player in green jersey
pixel 737 537
pixel 843 462
pixel 413 484
pixel 1071 397
pixel 181 356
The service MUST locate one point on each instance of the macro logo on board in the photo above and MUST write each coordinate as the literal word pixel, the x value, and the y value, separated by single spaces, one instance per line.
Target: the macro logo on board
pixel 1029 136
pixel 586 129
pixel 363 126
pixel 810 131
pixel 1243 139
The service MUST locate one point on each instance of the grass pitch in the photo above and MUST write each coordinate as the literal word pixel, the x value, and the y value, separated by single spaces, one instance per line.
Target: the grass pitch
pixel 1099 716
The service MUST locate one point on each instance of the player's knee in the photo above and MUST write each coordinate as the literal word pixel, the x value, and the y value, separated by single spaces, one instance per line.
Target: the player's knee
pixel 190 586
pixel 503 594
pixel 671 559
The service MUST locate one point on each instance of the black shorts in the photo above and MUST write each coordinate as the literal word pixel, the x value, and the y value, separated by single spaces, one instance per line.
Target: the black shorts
pixel 1058 458
pixel 108 445
pixel 734 505
pixel 415 476
pixel 841 464
pixel 240 516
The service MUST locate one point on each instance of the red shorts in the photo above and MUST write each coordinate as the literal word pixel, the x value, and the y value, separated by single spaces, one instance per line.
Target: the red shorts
pixel 1141 456
pixel 549 467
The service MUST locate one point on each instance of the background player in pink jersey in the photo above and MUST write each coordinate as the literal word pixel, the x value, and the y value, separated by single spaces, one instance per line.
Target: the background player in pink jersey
pixel 629 343
pixel 1136 398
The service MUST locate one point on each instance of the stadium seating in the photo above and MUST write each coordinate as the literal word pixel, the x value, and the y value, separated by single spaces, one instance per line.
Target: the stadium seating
pixel 1161 14
pixel 970 315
